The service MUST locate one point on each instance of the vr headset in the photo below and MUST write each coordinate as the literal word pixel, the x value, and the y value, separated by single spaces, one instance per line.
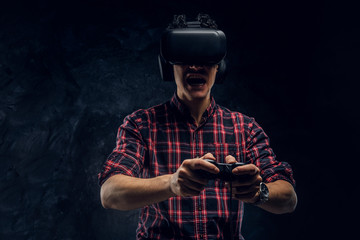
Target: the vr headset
pixel 193 45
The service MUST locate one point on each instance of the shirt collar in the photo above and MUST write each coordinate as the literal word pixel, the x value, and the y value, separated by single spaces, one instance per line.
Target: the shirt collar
pixel 176 103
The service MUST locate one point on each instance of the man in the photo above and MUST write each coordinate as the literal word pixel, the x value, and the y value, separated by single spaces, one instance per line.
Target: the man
pixel 159 152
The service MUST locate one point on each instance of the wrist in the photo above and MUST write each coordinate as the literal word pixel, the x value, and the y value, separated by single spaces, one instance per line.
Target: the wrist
pixel 169 183
pixel 262 196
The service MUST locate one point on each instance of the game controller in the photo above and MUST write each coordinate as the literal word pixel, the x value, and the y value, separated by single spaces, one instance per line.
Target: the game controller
pixel 225 173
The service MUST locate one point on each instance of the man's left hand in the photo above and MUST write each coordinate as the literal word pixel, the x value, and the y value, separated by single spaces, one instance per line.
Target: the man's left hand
pixel 246 187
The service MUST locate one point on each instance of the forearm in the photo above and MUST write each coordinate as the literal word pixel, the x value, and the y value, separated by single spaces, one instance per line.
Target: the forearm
pixel 125 193
pixel 282 198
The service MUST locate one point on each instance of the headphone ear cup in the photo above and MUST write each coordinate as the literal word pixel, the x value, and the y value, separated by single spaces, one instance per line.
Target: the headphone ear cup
pixel 166 70
pixel 221 72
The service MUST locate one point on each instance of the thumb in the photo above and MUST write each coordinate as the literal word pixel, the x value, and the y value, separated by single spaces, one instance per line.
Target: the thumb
pixel 208 156
pixel 230 159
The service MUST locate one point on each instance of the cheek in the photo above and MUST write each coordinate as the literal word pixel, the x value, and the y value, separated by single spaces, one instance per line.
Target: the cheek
pixel 213 76
pixel 178 73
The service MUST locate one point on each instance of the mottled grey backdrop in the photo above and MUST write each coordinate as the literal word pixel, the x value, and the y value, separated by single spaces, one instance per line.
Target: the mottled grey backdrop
pixel 70 71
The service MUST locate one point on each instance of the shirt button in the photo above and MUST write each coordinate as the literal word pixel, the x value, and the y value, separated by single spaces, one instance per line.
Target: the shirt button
pixel 201 236
pixel 199 208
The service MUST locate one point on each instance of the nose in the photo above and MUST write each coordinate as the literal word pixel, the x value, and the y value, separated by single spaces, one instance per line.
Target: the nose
pixel 196 67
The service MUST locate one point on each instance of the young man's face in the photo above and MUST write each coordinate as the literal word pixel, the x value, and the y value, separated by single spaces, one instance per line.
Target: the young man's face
pixel 194 81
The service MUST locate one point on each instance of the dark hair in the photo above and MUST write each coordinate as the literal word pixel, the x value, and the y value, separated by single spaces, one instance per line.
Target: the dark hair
pixel 179 21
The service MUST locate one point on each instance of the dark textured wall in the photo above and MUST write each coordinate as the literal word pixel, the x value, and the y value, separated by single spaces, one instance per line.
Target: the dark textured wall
pixel 70 71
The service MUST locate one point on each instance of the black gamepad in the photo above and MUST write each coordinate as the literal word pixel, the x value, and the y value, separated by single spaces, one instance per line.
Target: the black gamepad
pixel 225 173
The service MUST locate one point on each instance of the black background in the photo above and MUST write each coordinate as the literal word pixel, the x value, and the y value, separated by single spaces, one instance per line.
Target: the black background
pixel 70 71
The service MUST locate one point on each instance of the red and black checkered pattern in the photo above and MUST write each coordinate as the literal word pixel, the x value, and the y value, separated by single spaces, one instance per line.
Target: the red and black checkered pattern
pixel 155 141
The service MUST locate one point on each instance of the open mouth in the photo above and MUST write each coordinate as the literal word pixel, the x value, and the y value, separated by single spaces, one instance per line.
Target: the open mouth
pixel 195 80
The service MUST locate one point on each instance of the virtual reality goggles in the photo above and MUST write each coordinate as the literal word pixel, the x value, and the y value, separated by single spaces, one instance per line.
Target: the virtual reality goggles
pixel 192 46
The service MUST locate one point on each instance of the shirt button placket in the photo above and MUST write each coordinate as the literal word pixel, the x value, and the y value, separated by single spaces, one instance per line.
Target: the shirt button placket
pixel 196 143
pixel 201 217
pixel 199 201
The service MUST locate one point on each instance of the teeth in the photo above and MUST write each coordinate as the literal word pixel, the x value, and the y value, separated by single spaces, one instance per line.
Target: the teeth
pixel 196 81
pixel 194 76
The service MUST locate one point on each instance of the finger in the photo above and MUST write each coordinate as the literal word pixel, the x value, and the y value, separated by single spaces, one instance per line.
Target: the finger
pixel 185 173
pixel 245 189
pixel 230 159
pixel 248 169
pixel 191 184
pixel 200 164
pixel 248 181
pixel 198 178
pixel 240 189
pixel 208 156
pixel 248 197
pixel 185 191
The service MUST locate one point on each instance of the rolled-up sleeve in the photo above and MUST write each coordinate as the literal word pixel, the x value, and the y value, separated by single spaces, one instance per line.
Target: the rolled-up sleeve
pixel 261 154
pixel 128 156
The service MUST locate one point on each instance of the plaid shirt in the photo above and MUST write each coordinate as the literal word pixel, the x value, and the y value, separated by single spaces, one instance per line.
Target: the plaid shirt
pixel 155 141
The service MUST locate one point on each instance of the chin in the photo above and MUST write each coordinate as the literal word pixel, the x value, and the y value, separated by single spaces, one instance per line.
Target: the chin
pixel 199 94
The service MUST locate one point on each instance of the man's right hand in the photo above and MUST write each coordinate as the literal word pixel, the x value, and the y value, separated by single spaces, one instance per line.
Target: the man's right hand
pixel 185 182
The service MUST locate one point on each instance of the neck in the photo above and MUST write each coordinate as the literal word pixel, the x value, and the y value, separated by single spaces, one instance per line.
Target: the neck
pixel 196 106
